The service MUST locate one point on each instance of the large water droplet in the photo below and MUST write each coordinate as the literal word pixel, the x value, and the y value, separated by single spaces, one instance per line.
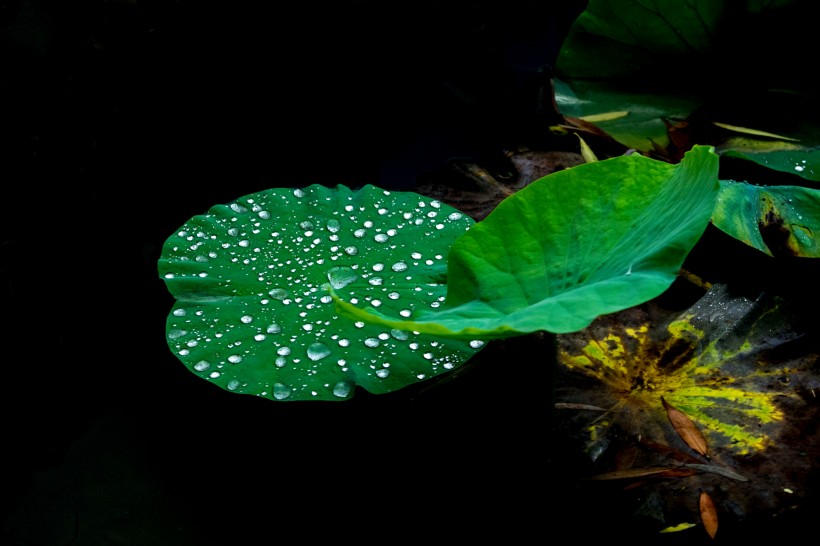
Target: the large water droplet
pixel 278 293
pixel 318 351
pixel 333 225
pixel 281 391
pixel 341 276
pixel 341 389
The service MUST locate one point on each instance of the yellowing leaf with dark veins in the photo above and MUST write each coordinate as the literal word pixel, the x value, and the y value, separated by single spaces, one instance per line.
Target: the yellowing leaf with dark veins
pixel 700 366
pixel 742 369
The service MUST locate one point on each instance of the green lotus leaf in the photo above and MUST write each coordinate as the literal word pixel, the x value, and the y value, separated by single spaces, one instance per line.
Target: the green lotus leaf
pixel 578 243
pixel 253 314
pixel 803 163
pixel 617 38
pixel 776 220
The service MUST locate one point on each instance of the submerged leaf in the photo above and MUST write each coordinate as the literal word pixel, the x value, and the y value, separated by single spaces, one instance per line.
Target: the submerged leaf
pixel 576 244
pixel 251 278
pixel 708 514
pixel 678 527
pixel 685 428
pixel 742 370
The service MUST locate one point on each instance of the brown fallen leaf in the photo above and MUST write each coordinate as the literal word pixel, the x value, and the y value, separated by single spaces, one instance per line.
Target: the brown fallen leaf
pixel 632 473
pixel 686 428
pixel 708 514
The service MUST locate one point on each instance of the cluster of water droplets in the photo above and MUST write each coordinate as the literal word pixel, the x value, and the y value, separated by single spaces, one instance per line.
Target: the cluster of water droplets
pixel 278 334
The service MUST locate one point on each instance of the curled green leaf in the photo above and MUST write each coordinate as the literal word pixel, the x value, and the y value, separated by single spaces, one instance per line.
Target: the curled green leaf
pixel 582 242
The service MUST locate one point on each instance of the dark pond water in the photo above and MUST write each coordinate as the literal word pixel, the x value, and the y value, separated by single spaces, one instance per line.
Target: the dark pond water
pixel 124 119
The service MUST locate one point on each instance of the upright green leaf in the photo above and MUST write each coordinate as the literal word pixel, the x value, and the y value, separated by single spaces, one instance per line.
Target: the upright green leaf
pixel 576 244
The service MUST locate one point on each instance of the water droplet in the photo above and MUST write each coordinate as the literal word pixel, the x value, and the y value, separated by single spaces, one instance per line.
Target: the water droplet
pixel 382 373
pixel 341 276
pixel 477 344
pixel 281 391
pixel 202 365
pixel 234 359
pixel 281 361
pixel 278 293
pixel 359 233
pixel 274 328
pixel 454 216
pixel 380 237
pixel 175 334
pixel 246 319
pixel 371 342
pixel 318 351
pixel 283 351
pixel 236 207
pixel 351 250
pixel 341 389
pixel 344 343
pixel 259 337
pixel 233 384
pixel 399 266
pixel 399 334
pixel 376 281
pixel 333 225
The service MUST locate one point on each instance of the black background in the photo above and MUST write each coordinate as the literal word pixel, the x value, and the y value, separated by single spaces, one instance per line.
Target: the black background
pixel 123 119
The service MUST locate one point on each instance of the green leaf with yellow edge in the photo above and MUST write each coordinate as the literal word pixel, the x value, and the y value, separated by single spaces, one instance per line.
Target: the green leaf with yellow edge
pixel 590 240
pixel 776 220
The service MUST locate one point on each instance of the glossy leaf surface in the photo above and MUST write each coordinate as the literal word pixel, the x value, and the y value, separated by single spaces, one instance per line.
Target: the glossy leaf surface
pixel 253 313
pixel 576 244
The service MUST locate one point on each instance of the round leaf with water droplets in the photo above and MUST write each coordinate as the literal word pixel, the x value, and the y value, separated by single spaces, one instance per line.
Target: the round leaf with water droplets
pixel 578 243
pixel 251 281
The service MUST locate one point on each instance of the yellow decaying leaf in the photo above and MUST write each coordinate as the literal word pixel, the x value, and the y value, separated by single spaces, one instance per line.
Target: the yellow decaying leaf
pixel 678 527
pixel 586 152
pixel 755 132
pixel 685 428
pixel 606 116
pixel 708 514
